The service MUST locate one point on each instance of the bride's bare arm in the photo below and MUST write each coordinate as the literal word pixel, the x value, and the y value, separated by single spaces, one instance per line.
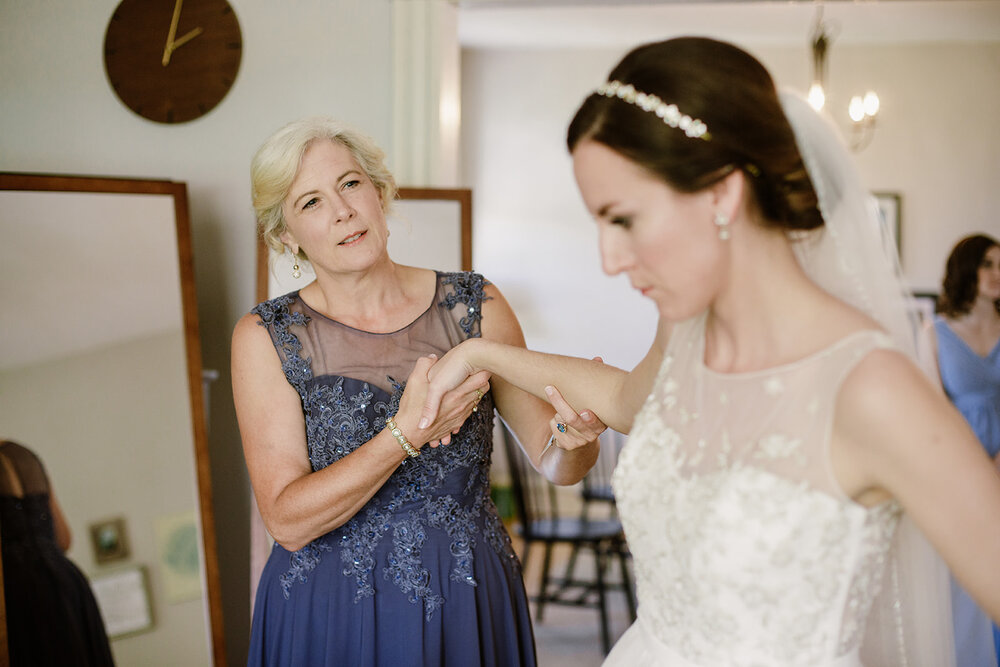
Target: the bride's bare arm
pixel 613 394
pixel 895 433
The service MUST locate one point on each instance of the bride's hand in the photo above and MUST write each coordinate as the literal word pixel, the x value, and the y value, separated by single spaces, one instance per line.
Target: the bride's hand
pixel 456 404
pixel 450 372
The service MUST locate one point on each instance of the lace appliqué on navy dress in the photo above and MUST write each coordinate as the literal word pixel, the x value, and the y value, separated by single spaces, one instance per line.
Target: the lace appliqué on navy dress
pixel 343 413
pixel 468 291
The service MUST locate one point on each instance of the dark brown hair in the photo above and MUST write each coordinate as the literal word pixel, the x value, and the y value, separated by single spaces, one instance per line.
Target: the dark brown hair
pixel 961 275
pixel 733 94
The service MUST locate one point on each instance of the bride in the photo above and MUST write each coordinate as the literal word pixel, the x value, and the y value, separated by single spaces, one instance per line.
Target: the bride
pixel 781 426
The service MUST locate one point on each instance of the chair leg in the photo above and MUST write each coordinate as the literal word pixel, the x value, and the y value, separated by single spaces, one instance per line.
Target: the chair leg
pixel 602 561
pixel 575 549
pixel 627 585
pixel 524 557
pixel 544 583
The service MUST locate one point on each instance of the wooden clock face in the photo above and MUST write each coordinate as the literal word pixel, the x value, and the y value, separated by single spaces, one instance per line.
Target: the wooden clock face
pixel 172 61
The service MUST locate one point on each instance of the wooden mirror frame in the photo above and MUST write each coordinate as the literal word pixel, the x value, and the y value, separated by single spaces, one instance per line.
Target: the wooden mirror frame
pixel 178 191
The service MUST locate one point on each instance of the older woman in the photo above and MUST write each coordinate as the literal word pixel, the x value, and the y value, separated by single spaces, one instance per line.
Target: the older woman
pixel 388 552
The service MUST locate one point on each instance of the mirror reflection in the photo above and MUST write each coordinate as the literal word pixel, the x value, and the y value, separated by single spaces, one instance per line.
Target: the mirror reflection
pixel 100 376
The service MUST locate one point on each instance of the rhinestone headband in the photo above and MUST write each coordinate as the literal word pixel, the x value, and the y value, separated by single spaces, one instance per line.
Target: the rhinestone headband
pixel 668 113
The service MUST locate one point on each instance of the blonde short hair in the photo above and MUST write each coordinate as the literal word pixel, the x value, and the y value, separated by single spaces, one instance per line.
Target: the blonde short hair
pixel 276 163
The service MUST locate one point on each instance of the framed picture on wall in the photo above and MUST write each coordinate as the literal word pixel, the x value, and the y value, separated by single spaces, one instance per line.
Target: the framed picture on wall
pixel 925 302
pixel 123 597
pixel 109 540
pixel 889 206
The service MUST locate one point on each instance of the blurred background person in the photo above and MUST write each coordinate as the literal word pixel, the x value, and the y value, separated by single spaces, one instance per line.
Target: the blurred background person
pixel 52 616
pixel 967 335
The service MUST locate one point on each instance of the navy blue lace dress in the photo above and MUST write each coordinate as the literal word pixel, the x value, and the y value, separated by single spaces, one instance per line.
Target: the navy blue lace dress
pixel 424 573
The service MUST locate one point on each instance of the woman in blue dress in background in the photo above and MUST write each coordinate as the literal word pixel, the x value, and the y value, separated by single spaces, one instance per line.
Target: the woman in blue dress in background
pixel 967 331
pixel 387 551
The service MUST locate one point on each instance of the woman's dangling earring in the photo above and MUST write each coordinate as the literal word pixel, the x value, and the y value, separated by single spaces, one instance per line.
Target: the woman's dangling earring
pixel 722 222
pixel 296 272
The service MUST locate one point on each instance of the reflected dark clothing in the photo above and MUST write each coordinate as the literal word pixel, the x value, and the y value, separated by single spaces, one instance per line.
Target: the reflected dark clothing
pixel 424 573
pixel 52 616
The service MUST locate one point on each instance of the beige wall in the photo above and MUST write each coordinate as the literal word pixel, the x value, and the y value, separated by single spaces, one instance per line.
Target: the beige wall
pixel 936 145
pixel 113 429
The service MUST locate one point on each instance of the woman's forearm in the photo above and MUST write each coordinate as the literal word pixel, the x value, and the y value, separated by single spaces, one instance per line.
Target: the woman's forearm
pixel 584 383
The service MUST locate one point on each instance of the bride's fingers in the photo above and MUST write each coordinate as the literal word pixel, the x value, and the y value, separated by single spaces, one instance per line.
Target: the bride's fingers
pixel 586 423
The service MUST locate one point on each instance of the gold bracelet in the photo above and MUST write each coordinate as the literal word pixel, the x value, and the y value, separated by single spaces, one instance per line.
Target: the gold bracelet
pixel 401 439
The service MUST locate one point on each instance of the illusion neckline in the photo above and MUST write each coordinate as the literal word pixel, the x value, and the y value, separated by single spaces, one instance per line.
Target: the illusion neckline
pixel 422 315
pixel 789 366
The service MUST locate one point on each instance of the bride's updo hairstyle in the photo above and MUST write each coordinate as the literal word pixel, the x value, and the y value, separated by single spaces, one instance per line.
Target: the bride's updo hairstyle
pixel 727 101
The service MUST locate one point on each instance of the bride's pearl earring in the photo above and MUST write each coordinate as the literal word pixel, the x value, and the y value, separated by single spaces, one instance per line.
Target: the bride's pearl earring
pixel 722 222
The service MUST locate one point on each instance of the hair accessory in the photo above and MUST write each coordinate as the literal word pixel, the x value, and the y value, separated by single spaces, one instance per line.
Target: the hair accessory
pixel 400 438
pixel 722 222
pixel 668 113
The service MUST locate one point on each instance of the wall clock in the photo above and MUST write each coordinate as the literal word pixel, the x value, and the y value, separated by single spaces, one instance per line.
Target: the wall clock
pixel 172 61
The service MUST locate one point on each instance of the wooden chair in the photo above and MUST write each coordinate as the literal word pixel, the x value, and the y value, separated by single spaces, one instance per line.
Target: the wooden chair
pixel 540 521
pixel 595 489
pixel 596 486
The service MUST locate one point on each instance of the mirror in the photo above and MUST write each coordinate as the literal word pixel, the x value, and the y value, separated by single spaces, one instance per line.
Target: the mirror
pixel 100 375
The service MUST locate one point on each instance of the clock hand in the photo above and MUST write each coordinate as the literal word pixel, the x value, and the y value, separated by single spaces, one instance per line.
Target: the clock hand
pixel 168 48
pixel 172 44
pixel 186 38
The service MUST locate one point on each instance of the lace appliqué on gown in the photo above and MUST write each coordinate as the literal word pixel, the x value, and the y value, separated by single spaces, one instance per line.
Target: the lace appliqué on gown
pixel 746 551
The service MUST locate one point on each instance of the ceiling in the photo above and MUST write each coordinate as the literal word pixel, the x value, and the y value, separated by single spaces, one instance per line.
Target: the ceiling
pixel 610 24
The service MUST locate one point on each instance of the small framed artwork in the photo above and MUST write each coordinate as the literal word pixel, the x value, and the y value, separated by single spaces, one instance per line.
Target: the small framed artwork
pixel 889 206
pixel 109 540
pixel 123 598
pixel 925 302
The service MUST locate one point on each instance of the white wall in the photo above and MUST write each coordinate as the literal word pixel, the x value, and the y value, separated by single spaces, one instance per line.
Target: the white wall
pixel 936 145
pixel 59 115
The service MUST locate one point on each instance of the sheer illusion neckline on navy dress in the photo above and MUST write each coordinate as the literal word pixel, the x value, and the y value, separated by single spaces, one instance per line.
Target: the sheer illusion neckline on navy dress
pixel 422 315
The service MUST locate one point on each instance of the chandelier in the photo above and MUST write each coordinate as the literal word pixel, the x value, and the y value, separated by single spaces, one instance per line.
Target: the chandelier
pixel 862 109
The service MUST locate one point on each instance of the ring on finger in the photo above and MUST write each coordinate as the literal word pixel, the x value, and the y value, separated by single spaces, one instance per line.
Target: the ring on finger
pixel 561 427
pixel 479 397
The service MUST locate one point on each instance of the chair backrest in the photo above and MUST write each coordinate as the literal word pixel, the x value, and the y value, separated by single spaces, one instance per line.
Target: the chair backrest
pixel 534 496
pixel 597 482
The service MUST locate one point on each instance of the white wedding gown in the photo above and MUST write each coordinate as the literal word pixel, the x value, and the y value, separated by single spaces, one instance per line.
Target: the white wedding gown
pixel 746 551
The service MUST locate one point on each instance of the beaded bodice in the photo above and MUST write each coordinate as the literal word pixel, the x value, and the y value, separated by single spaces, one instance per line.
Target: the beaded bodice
pixel 350 382
pixel 746 550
